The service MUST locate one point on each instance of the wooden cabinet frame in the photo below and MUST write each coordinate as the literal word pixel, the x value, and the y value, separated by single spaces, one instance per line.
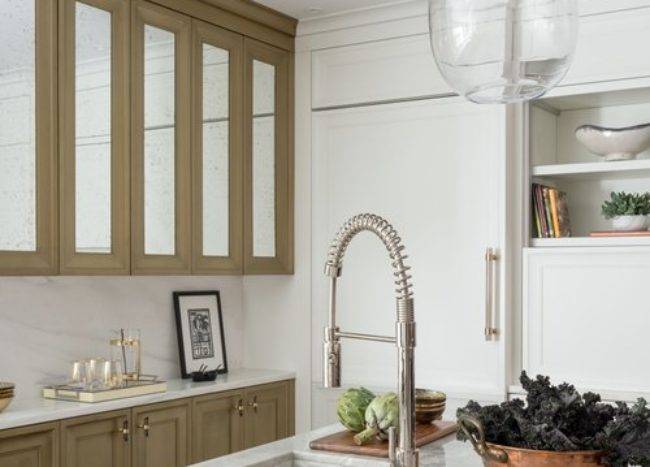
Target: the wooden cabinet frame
pixel 204 33
pixel 231 402
pixel 180 25
pixel 116 262
pixel 44 260
pixel 148 419
pixel 116 424
pixel 41 439
pixel 282 262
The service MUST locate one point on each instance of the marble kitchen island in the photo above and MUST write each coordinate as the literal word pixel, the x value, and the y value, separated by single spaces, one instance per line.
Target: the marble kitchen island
pixel 295 452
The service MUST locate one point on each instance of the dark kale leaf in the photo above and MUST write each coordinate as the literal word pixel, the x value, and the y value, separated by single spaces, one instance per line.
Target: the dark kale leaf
pixel 559 418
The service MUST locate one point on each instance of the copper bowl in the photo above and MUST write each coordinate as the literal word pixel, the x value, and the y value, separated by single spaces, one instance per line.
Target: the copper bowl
pixel 495 455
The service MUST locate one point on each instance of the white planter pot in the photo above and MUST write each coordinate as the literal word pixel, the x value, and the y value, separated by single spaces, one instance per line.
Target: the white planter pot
pixel 630 222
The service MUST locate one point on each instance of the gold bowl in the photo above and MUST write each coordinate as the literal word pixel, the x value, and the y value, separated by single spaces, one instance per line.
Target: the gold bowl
pixel 429 405
pixel 5 402
pixel 429 396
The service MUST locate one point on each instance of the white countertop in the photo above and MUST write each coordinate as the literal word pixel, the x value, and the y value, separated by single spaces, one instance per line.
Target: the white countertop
pixel 447 452
pixel 30 412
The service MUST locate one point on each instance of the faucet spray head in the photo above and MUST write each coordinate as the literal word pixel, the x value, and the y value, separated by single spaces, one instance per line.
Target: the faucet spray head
pixel 331 359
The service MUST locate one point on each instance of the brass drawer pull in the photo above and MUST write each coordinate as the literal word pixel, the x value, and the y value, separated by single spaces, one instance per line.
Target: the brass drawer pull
pixel 145 426
pixel 124 431
pixel 240 407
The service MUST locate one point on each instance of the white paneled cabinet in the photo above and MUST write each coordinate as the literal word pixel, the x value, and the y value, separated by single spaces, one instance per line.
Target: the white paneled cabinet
pixel 376 71
pixel 586 316
pixel 434 169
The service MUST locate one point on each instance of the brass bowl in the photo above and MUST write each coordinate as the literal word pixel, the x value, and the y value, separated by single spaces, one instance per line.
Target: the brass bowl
pixel 5 402
pixel 495 455
pixel 429 396
pixel 428 416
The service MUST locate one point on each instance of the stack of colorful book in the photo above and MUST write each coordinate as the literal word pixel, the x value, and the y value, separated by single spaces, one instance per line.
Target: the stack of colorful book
pixel 550 212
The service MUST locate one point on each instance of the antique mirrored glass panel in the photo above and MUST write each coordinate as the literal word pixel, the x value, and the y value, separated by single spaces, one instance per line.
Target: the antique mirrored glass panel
pixel 263 148
pixel 159 142
pixel 92 129
pixel 216 150
pixel 17 125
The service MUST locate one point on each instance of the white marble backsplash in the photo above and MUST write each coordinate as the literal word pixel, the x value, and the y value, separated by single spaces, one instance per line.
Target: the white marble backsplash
pixel 48 322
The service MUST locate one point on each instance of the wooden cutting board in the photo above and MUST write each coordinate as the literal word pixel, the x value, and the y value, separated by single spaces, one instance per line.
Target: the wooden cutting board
pixel 342 442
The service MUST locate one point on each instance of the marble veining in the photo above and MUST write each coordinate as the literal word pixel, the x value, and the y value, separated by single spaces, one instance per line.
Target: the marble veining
pixel 48 322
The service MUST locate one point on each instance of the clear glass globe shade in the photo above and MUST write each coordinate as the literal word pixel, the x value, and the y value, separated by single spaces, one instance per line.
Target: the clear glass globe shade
pixel 502 51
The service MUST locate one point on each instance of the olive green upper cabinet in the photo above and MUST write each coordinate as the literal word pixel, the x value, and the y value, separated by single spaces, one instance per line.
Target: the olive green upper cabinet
pixel 216 150
pixel 268 159
pixel 161 44
pixel 28 168
pixel 94 128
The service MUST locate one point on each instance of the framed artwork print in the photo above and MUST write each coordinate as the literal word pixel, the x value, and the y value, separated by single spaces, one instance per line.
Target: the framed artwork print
pixel 200 331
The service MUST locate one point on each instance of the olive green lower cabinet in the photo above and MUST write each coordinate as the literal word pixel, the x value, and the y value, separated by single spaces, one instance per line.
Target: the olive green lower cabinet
pixel 32 446
pixel 167 434
pixel 162 434
pixel 229 422
pixel 218 425
pixel 101 440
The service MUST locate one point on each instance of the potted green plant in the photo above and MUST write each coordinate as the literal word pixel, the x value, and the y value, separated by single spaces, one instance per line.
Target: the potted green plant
pixel 557 427
pixel 628 211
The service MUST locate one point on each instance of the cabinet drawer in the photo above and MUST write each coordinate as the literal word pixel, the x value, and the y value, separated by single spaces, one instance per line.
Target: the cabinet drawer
pixel 583 312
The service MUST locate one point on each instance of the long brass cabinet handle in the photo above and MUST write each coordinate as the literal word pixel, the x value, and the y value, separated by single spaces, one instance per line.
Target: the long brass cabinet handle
pixel 145 426
pixel 491 258
pixel 124 431
pixel 253 404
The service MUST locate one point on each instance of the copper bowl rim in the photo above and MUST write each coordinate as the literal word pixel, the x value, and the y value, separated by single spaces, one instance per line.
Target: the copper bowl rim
pixel 541 451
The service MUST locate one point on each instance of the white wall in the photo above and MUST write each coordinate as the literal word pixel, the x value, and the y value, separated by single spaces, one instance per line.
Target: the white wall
pixel 48 322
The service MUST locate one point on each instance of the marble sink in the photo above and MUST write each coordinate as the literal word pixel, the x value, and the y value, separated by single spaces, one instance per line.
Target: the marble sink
pixel 295 452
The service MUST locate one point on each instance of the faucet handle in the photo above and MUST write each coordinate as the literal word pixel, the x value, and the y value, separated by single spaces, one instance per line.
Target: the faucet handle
pixel 392 445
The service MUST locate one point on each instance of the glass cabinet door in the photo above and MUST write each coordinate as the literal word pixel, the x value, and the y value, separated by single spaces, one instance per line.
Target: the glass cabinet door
pixel 161 140
pixel 217 150
pixel 94 107
pixel 28 172
pixel 268 173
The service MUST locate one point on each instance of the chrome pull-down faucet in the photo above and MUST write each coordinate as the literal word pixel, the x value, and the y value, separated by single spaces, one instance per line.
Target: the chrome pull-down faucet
pixel 404 454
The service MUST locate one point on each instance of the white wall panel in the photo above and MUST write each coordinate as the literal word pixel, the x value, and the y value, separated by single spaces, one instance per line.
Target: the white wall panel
pixel 432 168
pixel 376 71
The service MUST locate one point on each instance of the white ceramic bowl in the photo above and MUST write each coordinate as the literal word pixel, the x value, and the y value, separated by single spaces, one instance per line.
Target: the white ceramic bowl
pixel 629 223
pixel 615 144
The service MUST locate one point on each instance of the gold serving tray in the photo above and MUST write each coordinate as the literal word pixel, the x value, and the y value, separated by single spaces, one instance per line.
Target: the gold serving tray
pixel 132 389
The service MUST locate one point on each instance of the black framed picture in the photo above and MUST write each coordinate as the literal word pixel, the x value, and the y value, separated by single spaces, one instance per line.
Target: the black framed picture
pixel 199 325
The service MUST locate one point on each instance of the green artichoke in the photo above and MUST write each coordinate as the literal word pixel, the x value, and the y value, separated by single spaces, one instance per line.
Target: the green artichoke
pixel 381 414
pixel 351 408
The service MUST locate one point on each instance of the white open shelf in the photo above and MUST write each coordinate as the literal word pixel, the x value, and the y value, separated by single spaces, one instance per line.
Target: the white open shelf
pixel 559 160
pixel 594 170
pixel 588 241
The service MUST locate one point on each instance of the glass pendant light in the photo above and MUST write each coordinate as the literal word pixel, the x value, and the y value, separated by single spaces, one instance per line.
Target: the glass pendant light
pixel 502 51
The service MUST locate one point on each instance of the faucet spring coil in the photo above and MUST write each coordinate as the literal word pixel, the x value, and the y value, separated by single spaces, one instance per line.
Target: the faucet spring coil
pixel 389 237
